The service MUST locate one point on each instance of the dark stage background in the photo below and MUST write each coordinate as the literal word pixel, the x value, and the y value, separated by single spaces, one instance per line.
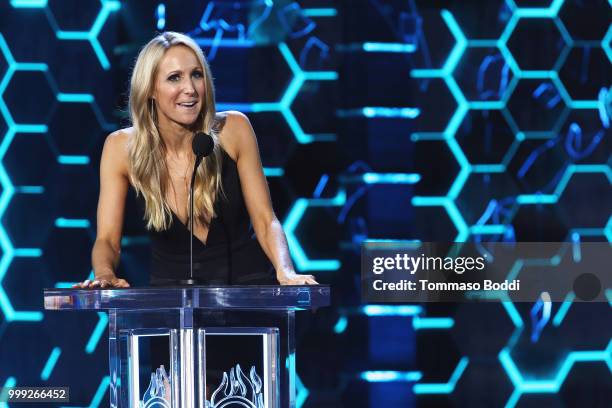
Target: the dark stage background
pixel 395 120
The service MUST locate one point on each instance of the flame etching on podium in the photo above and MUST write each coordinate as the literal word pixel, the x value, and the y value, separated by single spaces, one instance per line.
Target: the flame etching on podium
pixel 235 390
pixel 238 390
pixel 157 394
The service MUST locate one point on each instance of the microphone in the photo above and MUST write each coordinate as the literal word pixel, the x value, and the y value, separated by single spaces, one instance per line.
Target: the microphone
pixel 202 146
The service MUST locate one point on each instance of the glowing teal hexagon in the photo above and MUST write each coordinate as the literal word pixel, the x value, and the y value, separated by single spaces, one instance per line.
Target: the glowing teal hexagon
pixel 521 130
pixel 606 43
pixel 502 44
pixel 284 104
pixel 551 384
pixel 581 168
pixel 443 388
pixel 107 7
pixel 8 251
pixel 608 231
pixel 567 97
pixel 535 12
pixel 463 231
pixel 446 73
pixel 302 261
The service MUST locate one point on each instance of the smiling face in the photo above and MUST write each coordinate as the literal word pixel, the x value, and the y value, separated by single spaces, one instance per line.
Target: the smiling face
pixel 179 87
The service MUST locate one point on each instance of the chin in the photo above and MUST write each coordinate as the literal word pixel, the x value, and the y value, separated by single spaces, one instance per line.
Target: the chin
pixel 187 120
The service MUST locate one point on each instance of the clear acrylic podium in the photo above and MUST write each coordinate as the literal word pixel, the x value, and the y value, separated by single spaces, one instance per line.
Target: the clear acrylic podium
pixel 188 316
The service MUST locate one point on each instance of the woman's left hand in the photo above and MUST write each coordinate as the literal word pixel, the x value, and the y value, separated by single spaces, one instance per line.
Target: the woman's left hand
pixel 292 278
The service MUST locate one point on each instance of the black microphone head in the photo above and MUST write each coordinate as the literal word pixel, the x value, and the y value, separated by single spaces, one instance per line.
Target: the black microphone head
pixel 202 144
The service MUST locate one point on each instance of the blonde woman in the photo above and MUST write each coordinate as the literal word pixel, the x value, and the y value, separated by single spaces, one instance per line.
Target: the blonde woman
pixel 172 97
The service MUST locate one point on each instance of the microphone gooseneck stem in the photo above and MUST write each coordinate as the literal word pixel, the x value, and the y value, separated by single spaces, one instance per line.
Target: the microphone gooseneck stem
pixel 191 230
pixel 202 145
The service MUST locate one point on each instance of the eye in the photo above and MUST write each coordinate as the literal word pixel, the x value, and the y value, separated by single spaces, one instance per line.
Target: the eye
pixel 174 77
pixel 197 74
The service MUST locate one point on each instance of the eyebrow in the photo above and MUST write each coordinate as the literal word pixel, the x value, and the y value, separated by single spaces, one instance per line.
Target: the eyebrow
pixel 177 71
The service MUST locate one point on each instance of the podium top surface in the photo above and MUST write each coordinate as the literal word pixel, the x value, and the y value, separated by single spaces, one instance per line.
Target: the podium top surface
pixel 264 297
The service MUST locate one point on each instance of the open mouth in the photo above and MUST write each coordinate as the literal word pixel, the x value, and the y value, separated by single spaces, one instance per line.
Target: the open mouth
pixel 188 105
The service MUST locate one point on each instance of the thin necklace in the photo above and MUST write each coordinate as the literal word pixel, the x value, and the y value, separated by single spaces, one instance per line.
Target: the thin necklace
pixel 186 188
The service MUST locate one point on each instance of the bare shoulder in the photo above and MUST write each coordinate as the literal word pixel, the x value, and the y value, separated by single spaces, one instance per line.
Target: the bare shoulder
pixel 235 128
pixel 116 148
pixel 119 138
pixel 236 118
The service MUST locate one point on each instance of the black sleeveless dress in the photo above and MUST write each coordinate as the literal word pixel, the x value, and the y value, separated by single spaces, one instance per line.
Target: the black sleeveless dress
pixel 231 254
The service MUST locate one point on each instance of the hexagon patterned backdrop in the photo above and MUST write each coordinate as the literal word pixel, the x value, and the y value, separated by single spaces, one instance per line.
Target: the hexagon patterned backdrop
pixel 376 120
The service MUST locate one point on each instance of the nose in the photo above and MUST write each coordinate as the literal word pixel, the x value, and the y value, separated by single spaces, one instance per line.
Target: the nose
pixel 189 88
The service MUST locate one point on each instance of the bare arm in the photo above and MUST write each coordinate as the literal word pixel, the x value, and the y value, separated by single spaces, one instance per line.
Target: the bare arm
pixel 268 229
pixel 111 205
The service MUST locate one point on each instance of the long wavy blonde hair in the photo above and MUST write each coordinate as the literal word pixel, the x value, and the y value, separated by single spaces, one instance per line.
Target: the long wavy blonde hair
pixel 147 164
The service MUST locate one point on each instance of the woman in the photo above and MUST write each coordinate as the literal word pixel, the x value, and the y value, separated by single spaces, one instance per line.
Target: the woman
pixel 171 98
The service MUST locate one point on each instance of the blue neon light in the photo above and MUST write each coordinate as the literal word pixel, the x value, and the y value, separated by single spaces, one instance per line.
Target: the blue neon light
pixel 390 310
pixel 563 309
pixel 73 160
pixel 29 189
pixel 28 252
pixel 274 171
pixel 373 112
pixel 71 223
pixel 79 98
pixel 8 190
pixel 10 382
pixel 391 376
pixel 320 12
pixel 302 261
pixel 391 178
pixel 389 47
pixel 443 388
pixel 29 3
pixel 94 339
pixel 432 323
pixel 50 364
pixel 161 16
pixel 108 6
pixel 341 325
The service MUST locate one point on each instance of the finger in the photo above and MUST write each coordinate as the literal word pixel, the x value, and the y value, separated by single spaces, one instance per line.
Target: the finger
pixel 104 283
pixel 312 281
pixel 122 283
pixel 115 283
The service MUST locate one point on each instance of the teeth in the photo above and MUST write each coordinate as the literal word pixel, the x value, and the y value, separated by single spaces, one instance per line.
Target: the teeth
pixel 187 104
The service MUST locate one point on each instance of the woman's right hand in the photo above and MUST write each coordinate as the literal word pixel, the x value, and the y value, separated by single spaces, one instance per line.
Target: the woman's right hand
pixel 102 282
